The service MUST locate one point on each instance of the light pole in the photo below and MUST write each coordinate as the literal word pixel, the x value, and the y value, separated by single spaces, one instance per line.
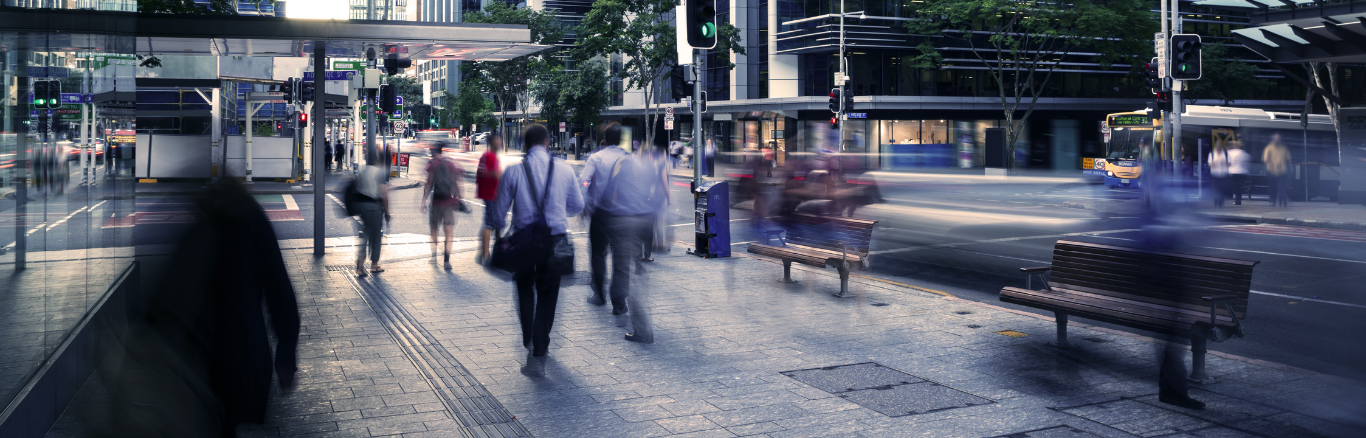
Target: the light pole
pixel 843 78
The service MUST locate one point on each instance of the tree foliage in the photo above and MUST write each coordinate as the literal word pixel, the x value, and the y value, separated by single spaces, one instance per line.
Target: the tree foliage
pixel 510 81
pixel 1223 79
pixel 468 106
pixel 642 33
pixel 1022 42
pixel 409 88
pixel 574 95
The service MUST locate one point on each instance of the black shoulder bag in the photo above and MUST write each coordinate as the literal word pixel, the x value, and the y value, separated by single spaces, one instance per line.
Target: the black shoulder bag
pixel 531 245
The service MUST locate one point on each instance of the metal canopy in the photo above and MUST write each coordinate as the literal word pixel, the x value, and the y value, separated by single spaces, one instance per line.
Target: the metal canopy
pixel 1339 38
pixel 211 35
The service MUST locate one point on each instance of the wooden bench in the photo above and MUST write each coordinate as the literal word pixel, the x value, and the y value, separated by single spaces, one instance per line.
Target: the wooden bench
pixel 1196 297
pixel 821 241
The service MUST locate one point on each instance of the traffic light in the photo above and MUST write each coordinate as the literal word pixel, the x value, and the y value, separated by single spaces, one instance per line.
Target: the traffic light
pixel 47 94
pixel 306 91
pixel 835 121
pixel 1185 57
pixel 835 100
pixel 303 120
pixel 1154 80
pixel 392 64
pixel 1164 101
pixel 848 102
pixel 387 102
pixel 678 83
pixel 288 88
pixel 701 23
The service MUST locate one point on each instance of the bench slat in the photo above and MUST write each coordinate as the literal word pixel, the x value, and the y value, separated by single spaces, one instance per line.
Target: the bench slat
pixel 1179 326
pixel 1134 263
pixel 1156 310
pixel 1167 288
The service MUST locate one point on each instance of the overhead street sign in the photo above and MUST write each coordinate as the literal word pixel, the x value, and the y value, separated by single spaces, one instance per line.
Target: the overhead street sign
pixel 332 75
pixel 266 96
pixel 348 65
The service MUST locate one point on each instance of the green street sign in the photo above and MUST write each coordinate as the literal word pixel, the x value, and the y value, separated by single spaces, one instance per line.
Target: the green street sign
pixel 101 61
pixel 348 65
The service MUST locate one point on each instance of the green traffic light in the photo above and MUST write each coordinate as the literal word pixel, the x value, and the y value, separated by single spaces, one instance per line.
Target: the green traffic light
pixel 708 30
pixel 38 101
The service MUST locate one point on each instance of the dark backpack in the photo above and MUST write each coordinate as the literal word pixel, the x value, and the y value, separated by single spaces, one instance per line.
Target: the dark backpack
pixel 351 197
pixel 443 182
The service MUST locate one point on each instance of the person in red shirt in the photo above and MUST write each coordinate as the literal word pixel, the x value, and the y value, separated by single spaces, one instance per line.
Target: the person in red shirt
pixel 486 188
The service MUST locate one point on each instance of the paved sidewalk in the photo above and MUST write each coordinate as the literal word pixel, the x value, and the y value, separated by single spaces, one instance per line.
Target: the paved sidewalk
pixel 1305 214
pixel 740 354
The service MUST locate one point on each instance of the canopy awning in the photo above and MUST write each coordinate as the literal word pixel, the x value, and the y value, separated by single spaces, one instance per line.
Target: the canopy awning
pixel 1338 38
pixel 232 35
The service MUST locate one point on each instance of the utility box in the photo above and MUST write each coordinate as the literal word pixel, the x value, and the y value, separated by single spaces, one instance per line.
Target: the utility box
pixel 712 215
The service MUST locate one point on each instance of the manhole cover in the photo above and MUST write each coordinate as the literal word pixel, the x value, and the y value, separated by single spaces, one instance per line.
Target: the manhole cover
pixel 1052 432
pixel 880 304
pixel 963 312
pixel 890 392
pixel 974 326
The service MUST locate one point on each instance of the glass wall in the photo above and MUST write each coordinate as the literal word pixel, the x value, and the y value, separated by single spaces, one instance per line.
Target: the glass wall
pixel 65 198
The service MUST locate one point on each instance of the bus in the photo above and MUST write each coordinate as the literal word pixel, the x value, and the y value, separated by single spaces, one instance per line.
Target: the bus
pixel 1312 144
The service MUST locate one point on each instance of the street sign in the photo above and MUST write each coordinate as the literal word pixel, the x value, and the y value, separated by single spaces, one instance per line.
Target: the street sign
pixel 266 96
pixel 348 65
pixel 669 111
pixel 1160 44
pixel 1105 132
pixel 561 126
pixel 669 124
pixel 332 75
pixel 49 72
pixel 858 115
pixel 76 98
pixel 400 126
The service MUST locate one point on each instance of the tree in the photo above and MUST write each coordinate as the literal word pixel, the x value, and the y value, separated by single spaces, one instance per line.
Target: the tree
pixel 1022 43
pixel 407 87
pixel 470 106
pixel 510 81
pixel 642 33
pixel 585 96
pixel 1224 79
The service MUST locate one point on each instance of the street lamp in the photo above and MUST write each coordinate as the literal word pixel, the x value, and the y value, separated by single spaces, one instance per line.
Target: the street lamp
pixel 844 73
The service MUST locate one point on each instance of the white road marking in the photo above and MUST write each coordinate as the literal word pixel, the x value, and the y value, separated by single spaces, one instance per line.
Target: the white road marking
pixel 63 220
pixel 289 202
pixel 1312 300
pixel 1006 239
pixel 1285 255
pixel 343 206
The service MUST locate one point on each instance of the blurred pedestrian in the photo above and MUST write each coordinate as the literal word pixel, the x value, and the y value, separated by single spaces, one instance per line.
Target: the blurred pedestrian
pixel 1238 163
pixel 595 175
pixel 199 362
pixel 486 188
pixel 327 155
pixel 1218 172
pixel 443 187
pixel 339 154
pixel 538 287
pixel 1277 159
pixel 372 204
pixel 675 149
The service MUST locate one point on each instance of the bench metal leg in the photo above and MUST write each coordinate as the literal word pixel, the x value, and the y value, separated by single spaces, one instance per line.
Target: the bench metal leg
pixel 1198 350
pixel 1061 318
pixel 787 272
pixel 844 283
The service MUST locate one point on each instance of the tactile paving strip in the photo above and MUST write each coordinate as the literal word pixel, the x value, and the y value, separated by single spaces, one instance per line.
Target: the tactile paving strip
pixel 466 400
pixel 1052 432
pixel 891 392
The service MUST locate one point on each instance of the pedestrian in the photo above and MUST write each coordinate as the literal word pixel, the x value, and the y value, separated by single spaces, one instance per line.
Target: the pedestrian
pixel 339 154
pixel 443 186
pixel 624 192
pixel 675 148
pixel 327 152
pixel 1277 159
pixel 371 200
pixel 199 361
pixel 594 174
pixel 1238 161
pixel 652 158
pixel 538 287
pixel 1218 172
pixel 486 188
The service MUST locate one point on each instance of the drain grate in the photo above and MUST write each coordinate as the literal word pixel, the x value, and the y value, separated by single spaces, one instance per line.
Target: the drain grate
pixel 885 390
pixel 466 400
pixel 963 312
pixel 1051 432
pixel 337 267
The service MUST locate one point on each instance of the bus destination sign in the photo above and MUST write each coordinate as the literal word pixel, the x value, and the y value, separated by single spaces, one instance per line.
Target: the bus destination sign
pixel 1119 120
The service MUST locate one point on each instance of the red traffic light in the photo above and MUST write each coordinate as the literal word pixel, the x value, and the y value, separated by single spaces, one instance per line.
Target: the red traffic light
pixel 303 117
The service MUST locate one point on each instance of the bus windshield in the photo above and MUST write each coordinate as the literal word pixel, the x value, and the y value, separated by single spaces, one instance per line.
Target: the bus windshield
pixel 1124 143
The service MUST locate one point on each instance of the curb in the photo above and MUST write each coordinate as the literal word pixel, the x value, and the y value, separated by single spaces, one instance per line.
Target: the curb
pixel 1352 226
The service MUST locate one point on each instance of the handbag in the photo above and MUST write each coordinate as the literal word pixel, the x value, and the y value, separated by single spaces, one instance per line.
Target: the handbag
pixel 562 255
pixel 528 246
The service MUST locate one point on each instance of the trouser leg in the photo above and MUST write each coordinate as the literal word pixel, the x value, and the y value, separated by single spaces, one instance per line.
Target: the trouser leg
pixel 371 221
pixel 1172 374
pixel 647 238
pixel 547 299
pixel 623 235
pixel 597 251
pixel 526 303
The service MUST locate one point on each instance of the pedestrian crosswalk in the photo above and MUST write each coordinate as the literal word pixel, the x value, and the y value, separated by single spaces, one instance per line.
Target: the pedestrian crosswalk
pixel 1293 231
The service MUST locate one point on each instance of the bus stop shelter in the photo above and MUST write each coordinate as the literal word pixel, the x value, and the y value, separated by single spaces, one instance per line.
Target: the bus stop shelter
pixel 1323 39
pixel 29 31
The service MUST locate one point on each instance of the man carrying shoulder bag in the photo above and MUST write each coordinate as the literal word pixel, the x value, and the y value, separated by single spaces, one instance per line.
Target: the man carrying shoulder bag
pixel 542 193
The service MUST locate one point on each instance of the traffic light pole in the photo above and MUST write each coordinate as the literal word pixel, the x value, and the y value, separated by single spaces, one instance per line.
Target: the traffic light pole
pixel 1176 92
pixel 319 176
pixel 839 117
pixel 699 148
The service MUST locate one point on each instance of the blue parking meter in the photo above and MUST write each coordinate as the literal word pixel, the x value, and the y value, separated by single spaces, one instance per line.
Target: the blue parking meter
pixel 712 219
